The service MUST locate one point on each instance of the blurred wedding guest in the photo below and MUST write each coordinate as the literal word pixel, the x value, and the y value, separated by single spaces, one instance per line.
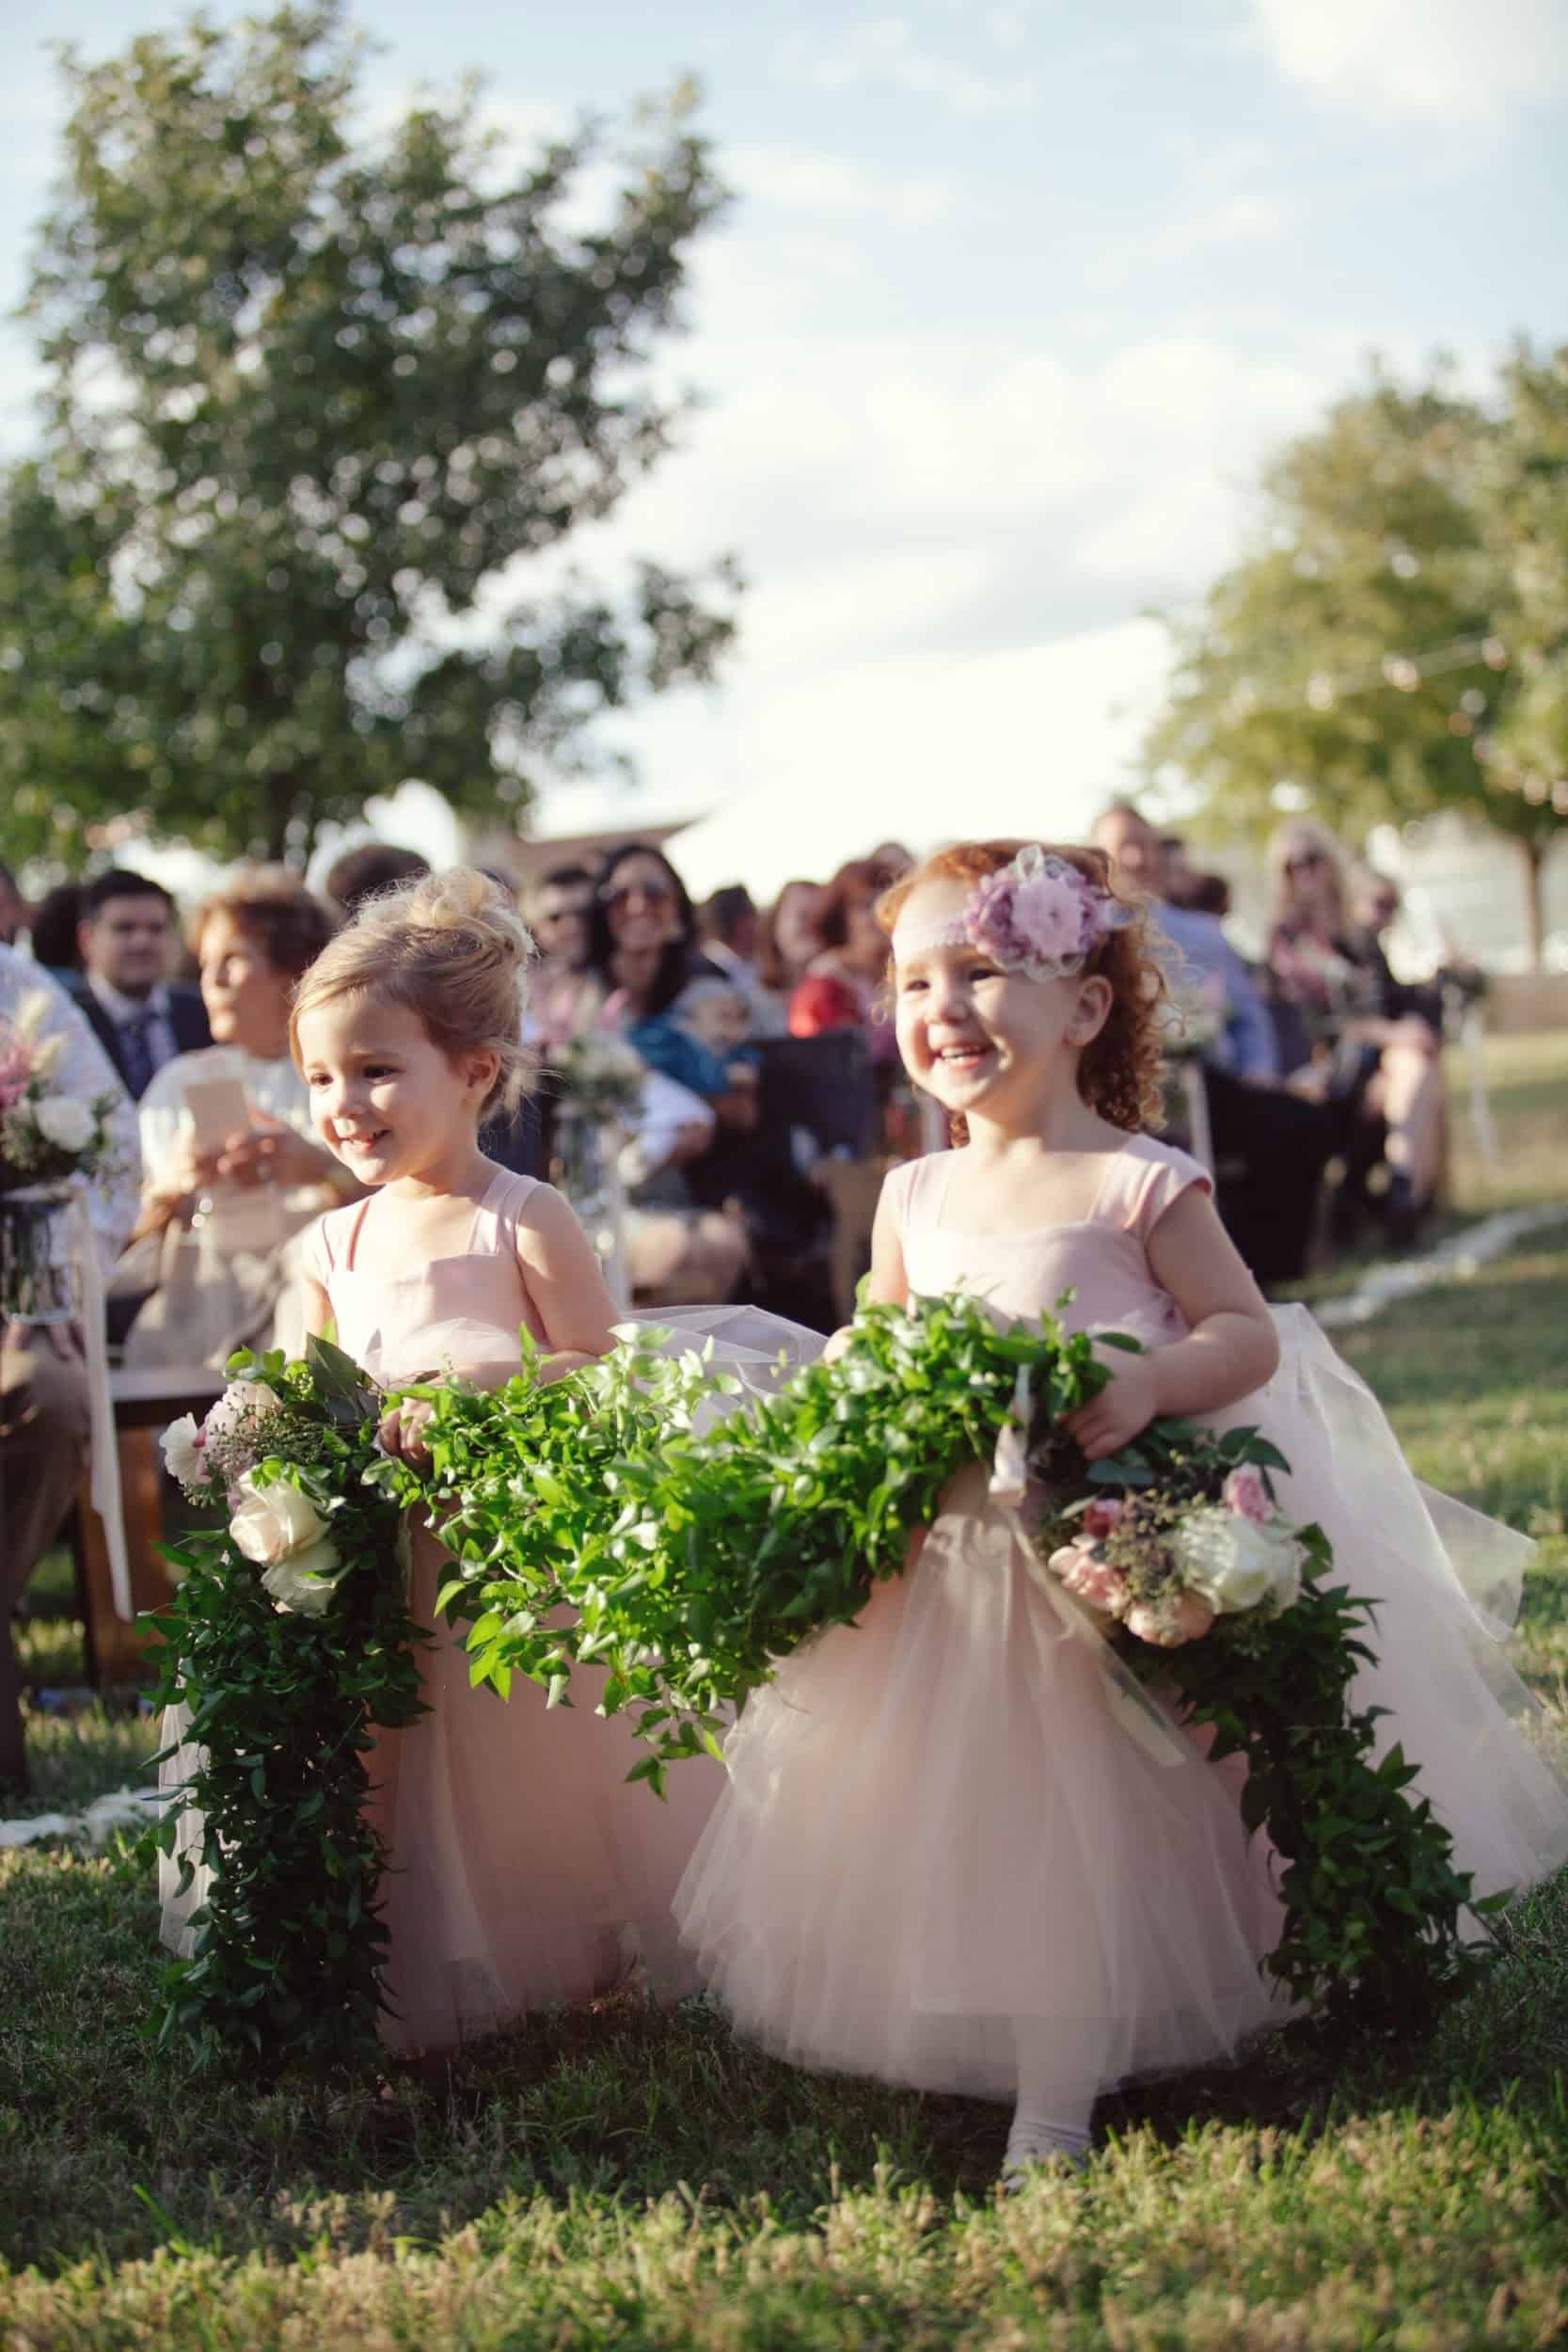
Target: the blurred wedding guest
pixel 43 1383
pixel 13 909
pixel 365 872
pixel 228 1140
pixel 788 937
pixel 53 935
pixel 839 989
pixel 143 1019
pixel 643 952
pixel 562 990
pixel 892 861
pixel 1374 1052
pixel 731 934
pixel 1271 1147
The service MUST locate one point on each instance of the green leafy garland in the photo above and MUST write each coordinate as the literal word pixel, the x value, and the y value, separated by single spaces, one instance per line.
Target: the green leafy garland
pixel 612 1519
pixel 289 1944
pixel 604 1528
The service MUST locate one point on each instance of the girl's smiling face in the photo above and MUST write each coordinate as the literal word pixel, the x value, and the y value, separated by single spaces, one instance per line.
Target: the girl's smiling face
pixel 975 1036
pixel 385 1098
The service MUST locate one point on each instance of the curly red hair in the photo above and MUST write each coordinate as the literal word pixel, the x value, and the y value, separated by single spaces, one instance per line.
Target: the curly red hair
pixel 1119 1072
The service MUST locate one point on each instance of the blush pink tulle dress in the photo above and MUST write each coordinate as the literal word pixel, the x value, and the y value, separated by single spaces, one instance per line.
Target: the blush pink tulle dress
pixel 524 1870
pixel 960 1849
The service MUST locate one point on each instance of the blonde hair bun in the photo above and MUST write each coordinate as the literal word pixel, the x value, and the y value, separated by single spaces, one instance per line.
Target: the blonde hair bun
pixel 454 950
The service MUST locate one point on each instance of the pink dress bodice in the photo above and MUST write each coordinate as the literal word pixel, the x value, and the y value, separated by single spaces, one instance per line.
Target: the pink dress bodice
pixel 389 1323
pixel 1101 1259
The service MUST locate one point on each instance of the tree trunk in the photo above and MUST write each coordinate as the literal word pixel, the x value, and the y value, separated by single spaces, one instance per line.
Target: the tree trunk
pixel 1532 848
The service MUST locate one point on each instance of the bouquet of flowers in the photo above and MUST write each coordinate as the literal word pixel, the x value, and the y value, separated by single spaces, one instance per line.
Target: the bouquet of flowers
pixel 1193 1018
pixel 287 1638
pixel 599 1078
pixel 1170 1561
pixel 45 1137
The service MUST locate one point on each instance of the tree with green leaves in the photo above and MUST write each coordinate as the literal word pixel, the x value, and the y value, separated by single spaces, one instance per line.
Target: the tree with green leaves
pixel 1395 641
pixel 317 399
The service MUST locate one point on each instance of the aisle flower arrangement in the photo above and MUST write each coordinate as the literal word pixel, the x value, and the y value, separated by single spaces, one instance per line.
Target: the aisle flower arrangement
pixel 615 1519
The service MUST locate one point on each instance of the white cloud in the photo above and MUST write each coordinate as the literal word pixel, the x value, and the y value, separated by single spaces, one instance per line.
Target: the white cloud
pixel 1035 738
pixel 1428 62
pixel 808 183
pixel 884 53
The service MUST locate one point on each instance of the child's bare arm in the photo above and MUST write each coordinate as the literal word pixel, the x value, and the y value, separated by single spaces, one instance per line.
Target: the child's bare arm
pixel 318 1308
pixel 1232 1349
pixel 889 1282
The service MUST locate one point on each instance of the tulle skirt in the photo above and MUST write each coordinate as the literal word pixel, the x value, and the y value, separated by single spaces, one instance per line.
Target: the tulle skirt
pixel 960 1849
pixel 523 1869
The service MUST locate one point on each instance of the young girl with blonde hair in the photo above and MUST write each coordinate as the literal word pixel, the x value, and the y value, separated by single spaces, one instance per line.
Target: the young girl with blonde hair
pixel 523 1869
pixel 960 1849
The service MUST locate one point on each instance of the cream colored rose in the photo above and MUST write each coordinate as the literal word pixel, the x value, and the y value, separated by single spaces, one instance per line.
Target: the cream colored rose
pixel 68 1125
pixel 274 1522
pixel 1232 1564
pixel 304 1583
pixel 182 1457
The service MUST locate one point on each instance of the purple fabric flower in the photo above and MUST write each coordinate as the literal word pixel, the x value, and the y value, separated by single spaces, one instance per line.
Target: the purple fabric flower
pixel 1040 915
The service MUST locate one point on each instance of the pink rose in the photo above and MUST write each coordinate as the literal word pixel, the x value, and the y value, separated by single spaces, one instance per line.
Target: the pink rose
pixel 1089 1578
pixel 1248 1496
pixel 1101 1517
pixel 1170 1623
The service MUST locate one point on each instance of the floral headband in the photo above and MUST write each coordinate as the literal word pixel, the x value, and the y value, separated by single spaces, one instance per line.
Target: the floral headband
pixel 1039 917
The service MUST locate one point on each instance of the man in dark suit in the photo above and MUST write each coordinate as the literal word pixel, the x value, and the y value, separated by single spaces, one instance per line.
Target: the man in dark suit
pixel 141 1018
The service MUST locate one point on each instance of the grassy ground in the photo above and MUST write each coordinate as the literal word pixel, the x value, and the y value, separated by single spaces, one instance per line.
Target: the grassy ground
pixel 625 2178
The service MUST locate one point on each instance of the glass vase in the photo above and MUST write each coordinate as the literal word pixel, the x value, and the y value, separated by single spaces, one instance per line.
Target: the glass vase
pixel 38 1279
pixel 582 1167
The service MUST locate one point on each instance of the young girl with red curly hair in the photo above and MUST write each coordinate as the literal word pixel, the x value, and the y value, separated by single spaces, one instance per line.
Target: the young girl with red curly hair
pixel 956 1851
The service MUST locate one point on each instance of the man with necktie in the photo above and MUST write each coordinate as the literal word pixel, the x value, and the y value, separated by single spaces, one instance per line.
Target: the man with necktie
pixel 127 938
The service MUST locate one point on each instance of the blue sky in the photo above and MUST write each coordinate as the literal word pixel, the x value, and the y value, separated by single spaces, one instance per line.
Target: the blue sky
pixel 1012 302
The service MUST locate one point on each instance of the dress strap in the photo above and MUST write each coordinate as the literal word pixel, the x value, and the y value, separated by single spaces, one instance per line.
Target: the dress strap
pixel 1145 1177
pixel 504 1201
pixel 355 1217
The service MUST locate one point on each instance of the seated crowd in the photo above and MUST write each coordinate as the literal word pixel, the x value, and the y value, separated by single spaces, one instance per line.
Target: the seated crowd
pixel 1316 1060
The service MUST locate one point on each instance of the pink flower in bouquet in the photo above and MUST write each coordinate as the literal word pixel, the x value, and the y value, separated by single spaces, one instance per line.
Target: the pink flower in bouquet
pixel 1169 1624
pixel 16 1069
pixel 1248 1496
pixel 235 1430
pixel 1101 1517
pixel 1089 1578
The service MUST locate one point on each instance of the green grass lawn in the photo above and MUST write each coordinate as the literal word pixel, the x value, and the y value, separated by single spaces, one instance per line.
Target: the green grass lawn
pixel 623 2177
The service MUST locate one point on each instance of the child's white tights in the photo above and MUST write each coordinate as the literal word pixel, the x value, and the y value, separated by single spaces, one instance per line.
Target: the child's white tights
pixel 1053 2111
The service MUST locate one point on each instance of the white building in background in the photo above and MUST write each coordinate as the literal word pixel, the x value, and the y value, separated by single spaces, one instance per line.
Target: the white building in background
pixel 1463 890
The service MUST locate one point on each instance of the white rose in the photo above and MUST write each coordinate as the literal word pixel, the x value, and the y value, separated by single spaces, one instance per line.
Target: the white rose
pixel 182 1457
pixel 1231 1563
pixel 274 1523
pixel 240 1399
pixel 305 1582
pixel 70 1126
